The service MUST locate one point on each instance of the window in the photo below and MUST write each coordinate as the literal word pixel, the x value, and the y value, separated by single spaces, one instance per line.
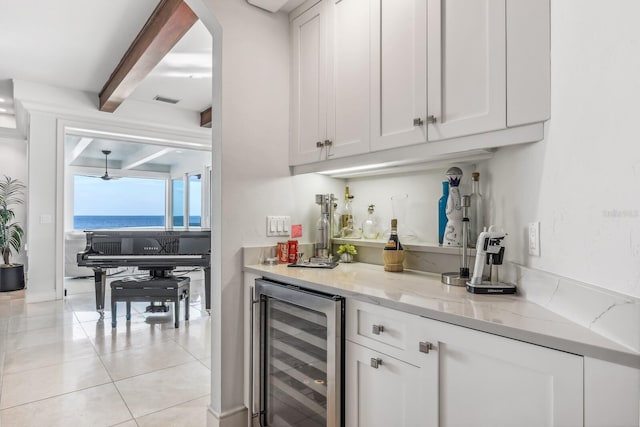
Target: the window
pixel 177 186
pixel 118 203
pixel 195 200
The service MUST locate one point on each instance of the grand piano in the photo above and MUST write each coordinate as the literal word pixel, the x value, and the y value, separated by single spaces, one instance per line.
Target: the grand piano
pixel 159 251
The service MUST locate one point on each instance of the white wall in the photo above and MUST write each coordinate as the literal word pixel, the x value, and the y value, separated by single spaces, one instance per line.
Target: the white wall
pixel 583 182
pixel 13 163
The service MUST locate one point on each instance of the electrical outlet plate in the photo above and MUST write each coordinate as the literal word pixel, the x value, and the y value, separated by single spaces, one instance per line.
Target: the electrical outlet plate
pixel 279 226
pixel 534 238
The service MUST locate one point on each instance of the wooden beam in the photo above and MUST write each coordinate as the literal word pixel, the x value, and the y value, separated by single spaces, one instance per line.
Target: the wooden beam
pixel 205 118
pixel 170 20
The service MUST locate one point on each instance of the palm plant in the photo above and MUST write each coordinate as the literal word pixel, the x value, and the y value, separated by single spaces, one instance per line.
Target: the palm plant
pixel 11 233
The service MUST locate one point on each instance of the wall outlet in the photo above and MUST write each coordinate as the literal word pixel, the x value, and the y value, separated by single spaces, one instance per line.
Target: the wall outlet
pixel 278 226
pixel 534 238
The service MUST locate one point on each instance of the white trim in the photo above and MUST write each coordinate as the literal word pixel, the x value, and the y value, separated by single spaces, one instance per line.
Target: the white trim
pixel 236 417
pixel 31 297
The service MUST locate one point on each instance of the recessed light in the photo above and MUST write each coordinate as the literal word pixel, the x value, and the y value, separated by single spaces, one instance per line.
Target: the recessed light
pixel 2 100
pixel 165 99
pixel 3 110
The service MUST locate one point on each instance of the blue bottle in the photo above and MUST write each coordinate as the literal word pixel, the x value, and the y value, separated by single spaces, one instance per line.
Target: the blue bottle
pixel 442 211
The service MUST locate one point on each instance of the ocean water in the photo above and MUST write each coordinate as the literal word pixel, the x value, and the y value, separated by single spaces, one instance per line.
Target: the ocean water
pixel 90 222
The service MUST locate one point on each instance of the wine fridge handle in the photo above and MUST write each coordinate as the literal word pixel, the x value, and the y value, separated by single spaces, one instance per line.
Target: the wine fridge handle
pixel 252 359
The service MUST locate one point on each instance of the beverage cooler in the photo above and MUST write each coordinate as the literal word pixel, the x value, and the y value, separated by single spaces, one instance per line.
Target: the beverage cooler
pixel 297 357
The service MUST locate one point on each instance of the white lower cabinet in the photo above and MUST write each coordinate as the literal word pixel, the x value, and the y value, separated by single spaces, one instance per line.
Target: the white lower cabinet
pixel 382 391
pixel 467 378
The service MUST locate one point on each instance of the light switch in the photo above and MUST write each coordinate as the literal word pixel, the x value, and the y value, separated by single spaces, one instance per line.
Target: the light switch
pixel 278 226
pixel 534 238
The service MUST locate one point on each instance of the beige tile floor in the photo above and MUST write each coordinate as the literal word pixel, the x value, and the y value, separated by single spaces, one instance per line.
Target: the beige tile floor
pixel 60 365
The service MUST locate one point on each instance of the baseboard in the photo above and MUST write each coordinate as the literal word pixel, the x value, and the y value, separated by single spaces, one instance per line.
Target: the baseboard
pixel 233 418
pixel 33 297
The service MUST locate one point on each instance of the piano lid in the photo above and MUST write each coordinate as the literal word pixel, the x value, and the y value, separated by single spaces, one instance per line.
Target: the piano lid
pixel 148 242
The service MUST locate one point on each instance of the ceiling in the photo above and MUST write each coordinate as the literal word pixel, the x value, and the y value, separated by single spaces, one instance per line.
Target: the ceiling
pixel 77 44
pixel 127 158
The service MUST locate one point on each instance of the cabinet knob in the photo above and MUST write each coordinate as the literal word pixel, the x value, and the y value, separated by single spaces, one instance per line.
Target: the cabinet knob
pixel 328 142
pixel 319 144
pixel 376 329
pixel 431 119
pixel 375 362
pixel 418 122
pixel 425 347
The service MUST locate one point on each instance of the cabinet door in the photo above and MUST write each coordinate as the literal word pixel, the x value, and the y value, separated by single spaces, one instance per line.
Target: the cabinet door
pixel 466 64
pixel 394 393
pixel 349 78
pixel 309 85
pixel 487 380
pixel 399 63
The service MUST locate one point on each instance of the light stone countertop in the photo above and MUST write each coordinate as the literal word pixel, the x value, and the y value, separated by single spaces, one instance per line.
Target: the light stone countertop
pixel 423 294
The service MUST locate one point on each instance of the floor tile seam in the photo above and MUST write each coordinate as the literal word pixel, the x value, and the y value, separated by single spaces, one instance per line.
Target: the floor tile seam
pixel 65 339
pixel 169 407
pixel 173 406
pixel 22 331
pixel 149 372
pixel 154 371
pixel 58 395
pixel 49 365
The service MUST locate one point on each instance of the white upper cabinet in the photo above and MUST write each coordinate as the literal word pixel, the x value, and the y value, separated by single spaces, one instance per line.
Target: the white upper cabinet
pixel 330 81
pixel 466 71
pixel 400 65
pixel 349 81
pixel 309 85
pixel 388 74
pixel 528 71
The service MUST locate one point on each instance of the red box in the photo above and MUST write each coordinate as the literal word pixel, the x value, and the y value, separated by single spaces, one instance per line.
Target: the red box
pixel 293 251
pixel 283 252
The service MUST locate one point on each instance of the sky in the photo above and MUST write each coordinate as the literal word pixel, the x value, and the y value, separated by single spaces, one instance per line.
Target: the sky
pixel 125 196
pixel 129 196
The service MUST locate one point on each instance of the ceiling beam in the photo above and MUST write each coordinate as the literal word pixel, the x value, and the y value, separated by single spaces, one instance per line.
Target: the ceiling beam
pixel 205 118
pixel 147 158
pixel 170 20
pixel 79 148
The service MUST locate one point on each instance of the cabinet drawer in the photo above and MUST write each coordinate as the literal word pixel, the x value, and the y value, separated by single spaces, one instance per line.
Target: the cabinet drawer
pixel 382 329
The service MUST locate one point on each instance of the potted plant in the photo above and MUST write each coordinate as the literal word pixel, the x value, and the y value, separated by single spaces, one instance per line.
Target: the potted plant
pixel 346 252
pixel 11 234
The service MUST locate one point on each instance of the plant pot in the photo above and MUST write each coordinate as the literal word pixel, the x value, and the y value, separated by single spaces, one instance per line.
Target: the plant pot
pixel 11 277
pixel 346 257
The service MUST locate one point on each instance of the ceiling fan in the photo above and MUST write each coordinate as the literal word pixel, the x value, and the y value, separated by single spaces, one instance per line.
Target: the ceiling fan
pixel 106 176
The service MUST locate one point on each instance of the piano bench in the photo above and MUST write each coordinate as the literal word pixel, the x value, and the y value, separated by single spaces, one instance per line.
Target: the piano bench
pixel 153 289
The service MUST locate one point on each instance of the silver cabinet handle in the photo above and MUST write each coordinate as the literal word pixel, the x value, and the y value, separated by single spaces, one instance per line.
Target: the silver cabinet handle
pixel 328 142
pixel 375 362
pixel 418 122
pixel 431 120
pixel 376 329
pixel 425 347
pixel 319 144
pixel 252 355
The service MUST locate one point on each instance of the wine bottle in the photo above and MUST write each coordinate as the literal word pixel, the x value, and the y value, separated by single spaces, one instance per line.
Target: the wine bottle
pixel 347 214
pixel 393 244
